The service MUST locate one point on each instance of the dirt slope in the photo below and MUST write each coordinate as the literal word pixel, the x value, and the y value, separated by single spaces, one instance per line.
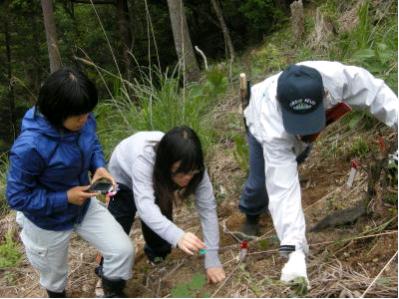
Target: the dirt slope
pixel 343 261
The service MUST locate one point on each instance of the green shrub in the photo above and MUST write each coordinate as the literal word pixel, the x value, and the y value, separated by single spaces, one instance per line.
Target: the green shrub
pixel 10 256
pixel 373 44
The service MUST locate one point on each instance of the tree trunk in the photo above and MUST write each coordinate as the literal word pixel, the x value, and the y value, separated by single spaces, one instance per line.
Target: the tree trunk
pixel 35 72
pixel 225 30
pixel 11 99
pixel 297 20
pixel 181 36
pixel 125 33
pixel 51 35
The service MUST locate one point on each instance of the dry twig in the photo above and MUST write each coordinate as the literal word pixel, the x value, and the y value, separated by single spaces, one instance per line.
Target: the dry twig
pixel 379 274
pixel 224 282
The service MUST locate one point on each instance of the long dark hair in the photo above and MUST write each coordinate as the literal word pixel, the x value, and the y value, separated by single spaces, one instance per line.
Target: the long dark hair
pixel 67 92
pixel 179 144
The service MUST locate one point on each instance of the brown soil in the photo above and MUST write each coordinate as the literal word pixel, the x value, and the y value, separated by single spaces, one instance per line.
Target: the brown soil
pixel 335 269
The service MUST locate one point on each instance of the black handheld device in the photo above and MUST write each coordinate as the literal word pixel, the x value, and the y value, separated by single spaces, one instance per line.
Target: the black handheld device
pixel 102 186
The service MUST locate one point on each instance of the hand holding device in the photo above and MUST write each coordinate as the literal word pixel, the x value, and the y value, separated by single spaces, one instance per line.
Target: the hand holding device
pixel 79 194
pixel 102 186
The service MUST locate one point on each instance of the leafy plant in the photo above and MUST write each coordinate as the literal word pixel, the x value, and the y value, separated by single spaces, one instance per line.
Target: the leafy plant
pixel 215 83
pixel 190 289
pixel 374 47
pixel 359 147
pixel 263 244
pixel 10 256
pixel 300 286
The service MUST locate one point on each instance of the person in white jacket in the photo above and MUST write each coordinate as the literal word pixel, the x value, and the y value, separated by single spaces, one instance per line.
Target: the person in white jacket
pixel 284 114
pixel 151 169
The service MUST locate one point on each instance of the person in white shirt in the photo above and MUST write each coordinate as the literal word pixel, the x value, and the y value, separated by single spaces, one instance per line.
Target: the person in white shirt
pixel 285 113
pixel 152 168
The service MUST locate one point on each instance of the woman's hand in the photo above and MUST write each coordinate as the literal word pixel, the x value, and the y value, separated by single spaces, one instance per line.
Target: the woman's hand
pixel 215 274
pixel 78 195
pixel 103 173
pixel 190 243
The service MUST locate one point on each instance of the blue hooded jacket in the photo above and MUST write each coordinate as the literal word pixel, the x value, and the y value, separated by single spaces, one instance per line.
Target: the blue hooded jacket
pixel 45 162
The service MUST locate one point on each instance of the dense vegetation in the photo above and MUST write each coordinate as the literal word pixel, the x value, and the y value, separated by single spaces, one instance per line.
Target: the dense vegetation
pixel 93 33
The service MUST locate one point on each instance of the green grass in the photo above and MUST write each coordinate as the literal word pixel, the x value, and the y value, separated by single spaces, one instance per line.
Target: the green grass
pixel 4 209
pixel 241 152
pixel 193 288
pixel 10 255
pixel 160 106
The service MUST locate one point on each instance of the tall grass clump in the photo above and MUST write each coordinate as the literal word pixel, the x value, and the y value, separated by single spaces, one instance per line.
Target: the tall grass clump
pixel 4 209
pixel 10 253
pixel 373 44
pixel 159 102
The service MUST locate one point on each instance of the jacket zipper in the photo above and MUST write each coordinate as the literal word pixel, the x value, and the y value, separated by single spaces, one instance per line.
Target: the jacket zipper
pixel 79 216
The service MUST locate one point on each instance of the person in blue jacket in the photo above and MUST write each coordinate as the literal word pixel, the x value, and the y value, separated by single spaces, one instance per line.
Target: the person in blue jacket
pixel 48 183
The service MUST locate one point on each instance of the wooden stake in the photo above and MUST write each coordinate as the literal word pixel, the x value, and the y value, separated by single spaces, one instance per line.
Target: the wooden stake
pixel 243 91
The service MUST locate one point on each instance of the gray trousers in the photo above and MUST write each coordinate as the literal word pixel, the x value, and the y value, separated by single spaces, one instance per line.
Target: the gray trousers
pixel 47 250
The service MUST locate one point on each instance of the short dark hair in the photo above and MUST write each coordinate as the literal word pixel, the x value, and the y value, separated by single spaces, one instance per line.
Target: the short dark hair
pixel 179 144
pixel 67 92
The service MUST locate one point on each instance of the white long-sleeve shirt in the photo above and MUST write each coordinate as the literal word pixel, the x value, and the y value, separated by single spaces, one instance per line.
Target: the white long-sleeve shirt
pixel 350 84
pixel 132 164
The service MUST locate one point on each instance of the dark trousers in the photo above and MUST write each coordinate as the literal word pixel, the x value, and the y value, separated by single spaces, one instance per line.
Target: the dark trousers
pixel 254 199
pixel 123 208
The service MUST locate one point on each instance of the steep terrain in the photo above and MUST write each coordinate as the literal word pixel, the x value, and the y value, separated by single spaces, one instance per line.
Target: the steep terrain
pixel 343 261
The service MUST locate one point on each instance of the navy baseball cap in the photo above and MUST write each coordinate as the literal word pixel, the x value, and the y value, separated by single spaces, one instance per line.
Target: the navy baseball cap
pixel 300 92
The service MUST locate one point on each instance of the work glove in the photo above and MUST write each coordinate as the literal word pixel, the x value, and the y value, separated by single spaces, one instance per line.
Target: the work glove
pixel 393 158
pixel 393 165
pixel 295 267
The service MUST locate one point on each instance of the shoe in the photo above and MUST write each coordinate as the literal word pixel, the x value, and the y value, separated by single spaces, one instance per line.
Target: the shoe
pixel 251 226
pixel 295 267
pixel 56 294
pixel 99 271
pixel 113 288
